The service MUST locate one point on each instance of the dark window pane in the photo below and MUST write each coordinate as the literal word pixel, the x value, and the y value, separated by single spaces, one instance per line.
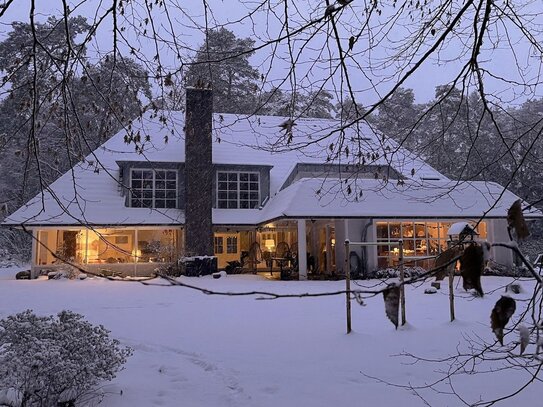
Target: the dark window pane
pixel 233 195
pixel 223 195
pixel 160 175
pixel 383 250
pixel 222 176
pixel 136 203
pixel 160 194
pixel 171 203
pixel 147 203
pixel 147 174
pixel 171 175
pixel 136 194
pixel 244 205
pixel 244 195
pixel 160 203
pixel 148 194
pixel 223 186
pixel 254 195
pixel 160 185
pixel 253 177
pixel 254 204
pixel 147 184
pixel 232 176
pixel 171 194
pixel 137 174
pixel 136 183
pixel 232 204
pixel 170 185
pixel 244 186
pixel 223 204
pixel 254 186
pixel 243 177
pixel 382 230
pixel 232 186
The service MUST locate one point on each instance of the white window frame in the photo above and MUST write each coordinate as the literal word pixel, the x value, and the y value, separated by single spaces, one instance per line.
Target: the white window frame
pixel 154 171
pixel 218 243
pixel 238 190
pixel 230 245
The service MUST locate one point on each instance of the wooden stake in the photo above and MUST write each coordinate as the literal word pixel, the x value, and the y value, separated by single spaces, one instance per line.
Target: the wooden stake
pixel 348 284
pixel 451 291
pixel 402 289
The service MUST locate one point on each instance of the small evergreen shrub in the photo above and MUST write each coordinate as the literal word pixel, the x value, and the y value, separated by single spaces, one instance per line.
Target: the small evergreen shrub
pixel 55 360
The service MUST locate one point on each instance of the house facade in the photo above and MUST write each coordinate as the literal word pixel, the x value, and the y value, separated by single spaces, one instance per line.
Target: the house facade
pixel 198 184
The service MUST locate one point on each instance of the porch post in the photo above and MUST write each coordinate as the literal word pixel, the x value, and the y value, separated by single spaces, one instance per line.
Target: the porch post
pixel 328 250
pixel 135 252
pixel 35 248
pixel 302 250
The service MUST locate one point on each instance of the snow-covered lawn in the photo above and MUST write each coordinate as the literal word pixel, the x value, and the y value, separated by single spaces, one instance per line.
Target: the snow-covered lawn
pixel 196 350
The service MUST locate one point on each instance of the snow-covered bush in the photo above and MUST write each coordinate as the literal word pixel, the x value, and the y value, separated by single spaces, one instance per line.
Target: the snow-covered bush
pixel 64 271
pixel 52 360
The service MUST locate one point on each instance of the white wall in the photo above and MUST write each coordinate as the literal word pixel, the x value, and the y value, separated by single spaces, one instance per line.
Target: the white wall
pixel 497 232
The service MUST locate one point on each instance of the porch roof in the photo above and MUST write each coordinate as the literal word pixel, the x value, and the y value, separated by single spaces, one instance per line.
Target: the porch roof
pixel 326 198
pixel 305 198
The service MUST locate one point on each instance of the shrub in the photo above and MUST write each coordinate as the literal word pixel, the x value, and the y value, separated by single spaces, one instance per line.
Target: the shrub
pixel 50 361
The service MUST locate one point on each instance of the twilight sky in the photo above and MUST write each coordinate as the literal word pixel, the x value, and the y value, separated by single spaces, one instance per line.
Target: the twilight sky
pixel 369 74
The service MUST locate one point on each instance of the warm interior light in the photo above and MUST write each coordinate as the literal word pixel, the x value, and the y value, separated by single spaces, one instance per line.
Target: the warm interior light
pixel 269 244
pixel 333 242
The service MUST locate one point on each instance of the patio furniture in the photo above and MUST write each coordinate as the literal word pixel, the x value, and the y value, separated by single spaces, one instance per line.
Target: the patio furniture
pixel 282 258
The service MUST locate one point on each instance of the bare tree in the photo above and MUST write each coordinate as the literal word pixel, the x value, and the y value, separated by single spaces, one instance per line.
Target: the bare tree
pixel 359 51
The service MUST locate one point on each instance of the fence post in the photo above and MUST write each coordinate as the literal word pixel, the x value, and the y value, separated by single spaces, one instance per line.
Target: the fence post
pixel 451 291
pixel 348 284
pixel 402 288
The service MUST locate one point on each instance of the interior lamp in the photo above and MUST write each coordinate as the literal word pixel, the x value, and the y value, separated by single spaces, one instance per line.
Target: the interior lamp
pixel 269 244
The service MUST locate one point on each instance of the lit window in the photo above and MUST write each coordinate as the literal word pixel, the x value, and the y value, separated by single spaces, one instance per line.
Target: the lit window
pixel 422 241
pixel 153 188
pixel 238 190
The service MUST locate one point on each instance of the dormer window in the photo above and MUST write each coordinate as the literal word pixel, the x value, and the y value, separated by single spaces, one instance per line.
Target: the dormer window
pixel 153 188
pixel 238 190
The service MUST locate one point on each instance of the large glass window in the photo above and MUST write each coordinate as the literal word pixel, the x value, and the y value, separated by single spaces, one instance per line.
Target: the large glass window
pixel 422 241
pixel 111 246
pixel 157 246
pixel 153 188
pixel 238 190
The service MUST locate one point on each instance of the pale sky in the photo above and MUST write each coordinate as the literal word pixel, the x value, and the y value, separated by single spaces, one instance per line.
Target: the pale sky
pixel 266 24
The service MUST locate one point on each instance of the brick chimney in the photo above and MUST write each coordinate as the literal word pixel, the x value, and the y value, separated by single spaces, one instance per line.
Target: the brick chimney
pixel 198 172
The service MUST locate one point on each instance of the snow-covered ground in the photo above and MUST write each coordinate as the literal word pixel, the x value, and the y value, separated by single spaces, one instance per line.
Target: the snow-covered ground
pixel 191 349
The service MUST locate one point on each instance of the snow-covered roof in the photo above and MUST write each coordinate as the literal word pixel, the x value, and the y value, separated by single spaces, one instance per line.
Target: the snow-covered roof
pixel 91 193
pixel 413 199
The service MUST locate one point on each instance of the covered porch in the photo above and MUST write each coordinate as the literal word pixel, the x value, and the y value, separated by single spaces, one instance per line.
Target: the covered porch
pixel 273 249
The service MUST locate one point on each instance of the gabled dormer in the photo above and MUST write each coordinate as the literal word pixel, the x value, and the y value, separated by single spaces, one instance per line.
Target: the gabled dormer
pixel 146 184
pixel 239 186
